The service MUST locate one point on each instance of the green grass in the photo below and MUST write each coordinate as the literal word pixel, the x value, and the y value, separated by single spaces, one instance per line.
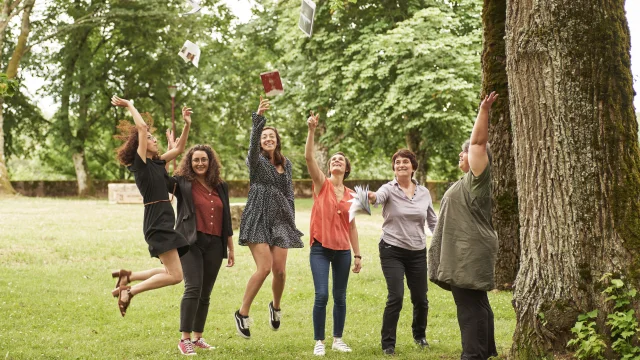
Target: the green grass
pixel 56 256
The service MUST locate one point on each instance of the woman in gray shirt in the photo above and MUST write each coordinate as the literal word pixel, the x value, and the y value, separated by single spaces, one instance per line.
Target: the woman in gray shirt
pixel 406 206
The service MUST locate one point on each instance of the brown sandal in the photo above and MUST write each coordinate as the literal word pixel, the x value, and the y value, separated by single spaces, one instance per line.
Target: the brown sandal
pixel 123 305
pixel 120 274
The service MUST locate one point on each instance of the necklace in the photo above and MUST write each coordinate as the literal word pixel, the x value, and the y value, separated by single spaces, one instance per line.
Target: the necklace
pixel 338 192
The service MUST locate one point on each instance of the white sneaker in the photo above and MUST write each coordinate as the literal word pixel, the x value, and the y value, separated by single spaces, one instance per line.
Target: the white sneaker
pixel 318 350
pixel 339 345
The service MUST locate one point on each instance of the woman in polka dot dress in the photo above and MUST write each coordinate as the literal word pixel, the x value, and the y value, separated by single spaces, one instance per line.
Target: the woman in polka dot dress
pixel 268 222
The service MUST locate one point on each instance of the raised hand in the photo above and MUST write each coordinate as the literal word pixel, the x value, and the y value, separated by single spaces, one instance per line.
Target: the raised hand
pixel 312 121
pixel 488 101
pixel 116 101
pixel 171 140
pixel 264 106
pixel 186 114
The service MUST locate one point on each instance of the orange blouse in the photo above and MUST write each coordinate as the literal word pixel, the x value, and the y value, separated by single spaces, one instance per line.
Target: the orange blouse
pixel 330 219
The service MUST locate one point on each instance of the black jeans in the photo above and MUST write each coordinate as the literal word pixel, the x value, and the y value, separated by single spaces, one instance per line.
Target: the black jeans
pixel 396 264
pixel 475 319
pixel 200 268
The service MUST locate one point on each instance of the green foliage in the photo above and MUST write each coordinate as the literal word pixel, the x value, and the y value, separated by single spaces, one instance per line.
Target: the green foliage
pixel 587 342
pixel 621 321
pixel 8 87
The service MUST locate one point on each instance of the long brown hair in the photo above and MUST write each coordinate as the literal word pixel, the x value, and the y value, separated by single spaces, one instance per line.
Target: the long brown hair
pixel 212 176
pixel 278 158
pixel 128 134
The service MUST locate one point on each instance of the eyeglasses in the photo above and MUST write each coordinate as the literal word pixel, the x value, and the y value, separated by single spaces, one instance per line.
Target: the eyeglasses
pixel 198 161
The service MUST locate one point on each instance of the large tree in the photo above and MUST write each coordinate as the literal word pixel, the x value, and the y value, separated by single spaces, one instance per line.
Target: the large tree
pixel 11 9
pixel 504 189
pixel 577 162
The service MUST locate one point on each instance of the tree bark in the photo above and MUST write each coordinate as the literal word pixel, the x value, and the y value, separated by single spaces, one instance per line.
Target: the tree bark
pixel 577 162
pixel 415 143
pixel 503 176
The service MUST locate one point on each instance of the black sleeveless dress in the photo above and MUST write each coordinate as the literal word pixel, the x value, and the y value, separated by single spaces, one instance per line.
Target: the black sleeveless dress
pixel 159 218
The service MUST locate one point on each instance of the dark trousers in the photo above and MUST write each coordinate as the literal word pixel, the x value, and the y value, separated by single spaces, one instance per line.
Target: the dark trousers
pixel 321 259
pixel 200 268
pixel 396 264
pixel 475 319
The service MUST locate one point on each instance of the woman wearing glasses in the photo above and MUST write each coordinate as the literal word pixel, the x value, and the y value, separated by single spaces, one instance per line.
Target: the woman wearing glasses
pixel 204 218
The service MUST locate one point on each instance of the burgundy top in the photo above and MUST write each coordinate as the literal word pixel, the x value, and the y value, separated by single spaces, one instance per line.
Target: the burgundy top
pixel 208 209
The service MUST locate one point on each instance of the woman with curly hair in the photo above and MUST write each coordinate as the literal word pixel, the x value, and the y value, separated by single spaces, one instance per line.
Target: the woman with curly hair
pixel 204 219
pixel 268 224
pixel 140 154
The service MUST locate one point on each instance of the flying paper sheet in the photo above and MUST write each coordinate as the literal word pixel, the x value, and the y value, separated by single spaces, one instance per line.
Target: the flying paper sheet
pixel 307 12
pixel 272 83
pixel 360 202
pixel 190 52
pixel 195 7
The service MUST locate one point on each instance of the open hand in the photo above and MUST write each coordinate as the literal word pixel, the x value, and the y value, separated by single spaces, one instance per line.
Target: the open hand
pixel 186 114
pixel 116 101
pixel 171 140
pixel 264 106
pixel 488 101
pixel 312 121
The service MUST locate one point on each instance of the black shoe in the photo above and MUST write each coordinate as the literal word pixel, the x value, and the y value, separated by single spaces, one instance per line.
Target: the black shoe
pixel 389 351
pixel 274 317
pixel 422 342
pixel 242 325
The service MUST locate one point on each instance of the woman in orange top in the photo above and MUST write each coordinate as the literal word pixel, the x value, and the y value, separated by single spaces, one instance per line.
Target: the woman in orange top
pixel 332 238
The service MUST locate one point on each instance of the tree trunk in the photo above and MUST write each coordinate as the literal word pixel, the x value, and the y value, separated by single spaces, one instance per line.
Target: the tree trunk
pixel 577 162
pixel 5 183
pixel 85 185
pixel 416 145
pixel 503 177
pixel 12 71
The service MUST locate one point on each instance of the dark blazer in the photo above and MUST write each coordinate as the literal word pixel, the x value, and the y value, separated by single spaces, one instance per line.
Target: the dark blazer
pixel 186 219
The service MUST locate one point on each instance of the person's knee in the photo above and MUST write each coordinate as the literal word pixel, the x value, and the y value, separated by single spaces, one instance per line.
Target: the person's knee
pixel 395 299
pixel 322 297
pixel 263 271
pixel 279 273
pixel 176 276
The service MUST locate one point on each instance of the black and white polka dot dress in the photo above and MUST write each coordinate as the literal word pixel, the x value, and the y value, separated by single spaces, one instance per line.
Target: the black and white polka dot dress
pixel 269 215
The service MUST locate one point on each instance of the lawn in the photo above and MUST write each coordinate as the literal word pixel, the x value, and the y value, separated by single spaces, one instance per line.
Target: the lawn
pixel 56 256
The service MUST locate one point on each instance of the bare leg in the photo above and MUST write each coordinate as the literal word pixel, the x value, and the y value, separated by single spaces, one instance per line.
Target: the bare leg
pixel 144 275
pixel 262 258
pixel 171 275
pixel 278 268
pixel 186 335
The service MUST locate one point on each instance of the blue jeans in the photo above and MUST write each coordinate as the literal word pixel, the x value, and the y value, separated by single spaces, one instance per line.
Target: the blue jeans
pixel 340 260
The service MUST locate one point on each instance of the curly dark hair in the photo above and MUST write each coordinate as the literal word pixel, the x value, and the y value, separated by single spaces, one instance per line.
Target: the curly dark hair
pixel 277 154
pixel 347 167
pixel 212 177
pixel 408 154
pixel 128 133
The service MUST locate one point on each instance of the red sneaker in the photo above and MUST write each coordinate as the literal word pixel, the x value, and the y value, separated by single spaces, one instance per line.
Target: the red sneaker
pixel 186 347
pixel 201 344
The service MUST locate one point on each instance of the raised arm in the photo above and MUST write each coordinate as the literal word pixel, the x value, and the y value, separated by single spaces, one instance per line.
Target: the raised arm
pixel 256 131
pixel 478 158
pixel 309 155
pixel 182 140
pixel 140 125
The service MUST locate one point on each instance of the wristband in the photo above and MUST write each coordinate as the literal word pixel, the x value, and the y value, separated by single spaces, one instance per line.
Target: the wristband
pixel 357 257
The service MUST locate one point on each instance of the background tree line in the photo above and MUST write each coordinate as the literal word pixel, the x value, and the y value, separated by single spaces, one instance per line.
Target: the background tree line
pixel 381 79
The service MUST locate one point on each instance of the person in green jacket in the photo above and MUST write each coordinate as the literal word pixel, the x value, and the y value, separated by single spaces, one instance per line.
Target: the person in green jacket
pixel 464 245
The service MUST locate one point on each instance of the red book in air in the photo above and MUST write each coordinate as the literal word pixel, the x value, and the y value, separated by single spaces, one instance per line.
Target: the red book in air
pixel 272 83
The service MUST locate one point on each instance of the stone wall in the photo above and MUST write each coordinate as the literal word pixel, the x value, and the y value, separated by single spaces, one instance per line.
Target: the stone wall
pixel 237 188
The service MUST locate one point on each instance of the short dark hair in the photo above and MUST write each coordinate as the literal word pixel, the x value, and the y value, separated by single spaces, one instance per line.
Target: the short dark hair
pixel 465 148
pixel 347 169
pixel 408 154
